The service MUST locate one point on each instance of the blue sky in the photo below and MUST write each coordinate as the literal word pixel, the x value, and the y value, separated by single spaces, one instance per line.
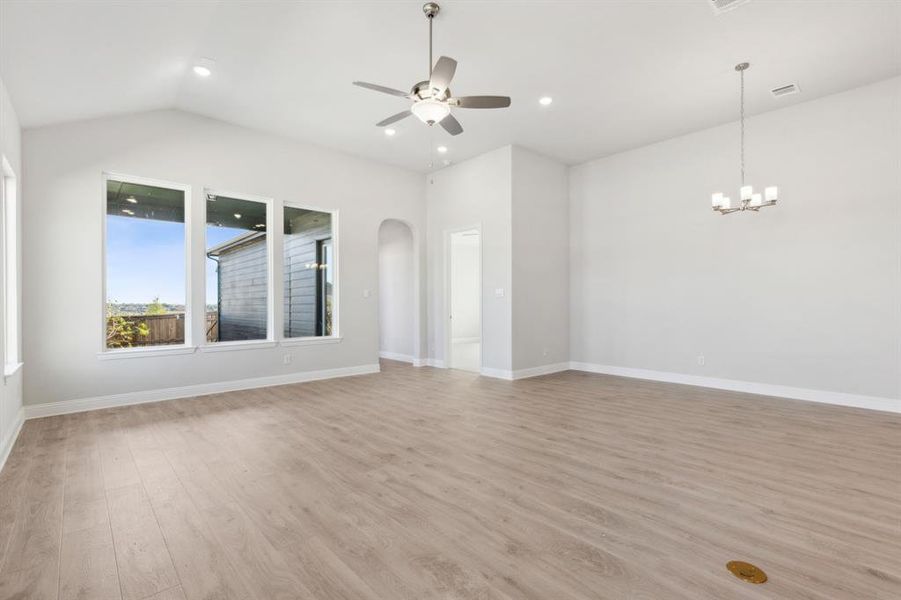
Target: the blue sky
pixel 145 259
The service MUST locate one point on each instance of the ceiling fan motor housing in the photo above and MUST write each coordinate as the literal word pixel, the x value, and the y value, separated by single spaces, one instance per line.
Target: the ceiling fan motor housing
pixel 423 91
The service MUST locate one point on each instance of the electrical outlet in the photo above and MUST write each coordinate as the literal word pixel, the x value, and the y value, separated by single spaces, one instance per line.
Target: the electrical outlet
pixel 286 359
pixel 701 360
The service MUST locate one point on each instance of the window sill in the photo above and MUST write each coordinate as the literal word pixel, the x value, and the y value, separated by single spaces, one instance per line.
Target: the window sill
pixel 214 347
pixel 311 341
pixel 141 352
pixel 242 345
pixel 11 369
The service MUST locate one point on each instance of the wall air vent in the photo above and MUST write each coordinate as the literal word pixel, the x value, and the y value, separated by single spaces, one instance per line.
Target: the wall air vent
pixel 721 6
pixel 785 90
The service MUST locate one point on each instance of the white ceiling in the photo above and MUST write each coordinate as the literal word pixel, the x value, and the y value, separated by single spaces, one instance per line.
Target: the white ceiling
pixel 622 73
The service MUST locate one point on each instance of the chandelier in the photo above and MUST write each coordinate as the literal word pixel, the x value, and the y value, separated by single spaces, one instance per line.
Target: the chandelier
pixel 748 200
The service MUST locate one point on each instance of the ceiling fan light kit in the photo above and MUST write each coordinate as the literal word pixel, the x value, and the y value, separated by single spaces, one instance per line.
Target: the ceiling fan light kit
pixel 432 99
pixel 748 200
pixel 430 111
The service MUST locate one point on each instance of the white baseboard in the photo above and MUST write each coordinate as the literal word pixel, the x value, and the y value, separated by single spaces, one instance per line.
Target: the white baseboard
pixel 396 356
pixel 9 440
pixel 763 389
pixel 542 370
pixel 63 407
pixel 433 362
pixel 497 373
pixel 524 373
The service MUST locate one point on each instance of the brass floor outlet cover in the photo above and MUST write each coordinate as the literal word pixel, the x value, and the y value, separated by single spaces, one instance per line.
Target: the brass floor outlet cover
pixel 746 571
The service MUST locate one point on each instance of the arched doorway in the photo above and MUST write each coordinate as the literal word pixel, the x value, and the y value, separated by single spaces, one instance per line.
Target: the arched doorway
pixel 397 292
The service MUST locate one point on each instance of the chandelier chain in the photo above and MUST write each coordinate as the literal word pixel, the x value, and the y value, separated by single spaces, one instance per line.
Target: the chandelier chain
pixel 742 111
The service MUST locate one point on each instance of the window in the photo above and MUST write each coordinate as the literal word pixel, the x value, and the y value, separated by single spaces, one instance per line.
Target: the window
pixel 237 271
pixel 10 268
pixel 145 260
pixel 309 271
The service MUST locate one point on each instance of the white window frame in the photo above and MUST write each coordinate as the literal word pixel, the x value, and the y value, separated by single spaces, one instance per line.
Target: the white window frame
pixel 336 287
pixel 187 347
pixel 9 220
pixel 271 333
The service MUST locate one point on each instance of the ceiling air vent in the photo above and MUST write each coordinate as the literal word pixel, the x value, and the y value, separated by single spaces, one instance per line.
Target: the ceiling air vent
pixel 721 6
pixel 785 90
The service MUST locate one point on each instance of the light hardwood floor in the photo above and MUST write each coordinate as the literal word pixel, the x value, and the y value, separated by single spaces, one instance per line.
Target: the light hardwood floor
pixel 431 484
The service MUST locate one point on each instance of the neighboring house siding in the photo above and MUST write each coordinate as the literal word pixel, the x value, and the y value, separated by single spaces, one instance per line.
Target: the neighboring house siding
pixel 300 281
pixel 242 292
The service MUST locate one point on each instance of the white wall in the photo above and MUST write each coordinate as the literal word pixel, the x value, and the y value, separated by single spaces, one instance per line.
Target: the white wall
pixel 63 217
pixel 11 390
pixel 806 294
pixel 466 293
pixel 476 192
pixel 540 261
pixel 396 290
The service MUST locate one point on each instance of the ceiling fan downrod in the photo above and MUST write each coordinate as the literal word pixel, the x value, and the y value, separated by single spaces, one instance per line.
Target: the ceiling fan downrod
pixel 431 11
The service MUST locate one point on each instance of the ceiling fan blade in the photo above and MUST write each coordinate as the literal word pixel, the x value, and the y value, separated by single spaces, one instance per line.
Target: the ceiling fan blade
pixel 394 118
pixel 442 75
pixel 482 102
pixel 381 88
pixel 451 125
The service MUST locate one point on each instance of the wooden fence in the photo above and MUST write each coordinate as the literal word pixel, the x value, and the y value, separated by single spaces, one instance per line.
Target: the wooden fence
pixel 169 328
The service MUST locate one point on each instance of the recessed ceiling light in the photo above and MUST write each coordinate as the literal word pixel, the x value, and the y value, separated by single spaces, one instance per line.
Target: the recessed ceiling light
pixel 390 132
pixel 131 200
pixel 545 100
pixel 442 149
pixel 237 215
pixel 204 67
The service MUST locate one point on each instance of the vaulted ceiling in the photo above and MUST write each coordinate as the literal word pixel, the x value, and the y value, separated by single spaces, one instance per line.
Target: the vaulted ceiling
pixel 622 73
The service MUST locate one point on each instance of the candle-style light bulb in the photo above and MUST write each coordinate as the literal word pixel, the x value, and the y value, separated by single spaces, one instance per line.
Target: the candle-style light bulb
pixel 771 193
pixel 746 192
pixel 717 200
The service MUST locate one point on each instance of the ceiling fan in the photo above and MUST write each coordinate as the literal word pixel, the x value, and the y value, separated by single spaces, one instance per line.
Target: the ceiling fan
pixel 432 99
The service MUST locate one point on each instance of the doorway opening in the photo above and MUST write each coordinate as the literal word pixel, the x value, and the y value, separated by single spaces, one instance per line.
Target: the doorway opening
pixel 397 284
pixel 465 315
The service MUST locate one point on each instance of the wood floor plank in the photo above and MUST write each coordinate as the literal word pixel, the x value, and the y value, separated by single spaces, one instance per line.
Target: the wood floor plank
pixel 171 594
pixel 430 484
pixel 88 565
pixel 203 567
pixel 31 560
pixel 145 567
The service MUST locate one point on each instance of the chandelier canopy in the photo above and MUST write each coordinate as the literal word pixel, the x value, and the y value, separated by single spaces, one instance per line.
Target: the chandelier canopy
pixel 748 199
